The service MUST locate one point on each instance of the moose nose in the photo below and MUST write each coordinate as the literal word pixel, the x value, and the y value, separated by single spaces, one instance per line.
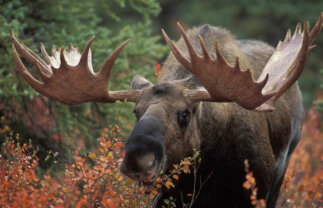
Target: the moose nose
pixel 144 149
pixel 146 162
pixel 143 157
pixel 139 167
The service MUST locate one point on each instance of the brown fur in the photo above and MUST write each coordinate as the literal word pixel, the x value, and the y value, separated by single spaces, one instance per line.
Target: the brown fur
pixel 225 133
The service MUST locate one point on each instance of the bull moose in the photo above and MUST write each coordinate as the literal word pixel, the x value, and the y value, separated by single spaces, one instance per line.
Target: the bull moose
pixel 229 99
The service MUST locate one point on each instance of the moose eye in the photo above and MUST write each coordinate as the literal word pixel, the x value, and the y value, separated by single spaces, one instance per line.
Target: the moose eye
pixel 183 118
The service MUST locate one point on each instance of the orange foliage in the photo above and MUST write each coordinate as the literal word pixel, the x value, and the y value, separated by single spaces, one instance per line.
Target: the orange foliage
pixel 250 184
pixel 158 70
pixel 302 186
pixel 90 181
pixel 94 180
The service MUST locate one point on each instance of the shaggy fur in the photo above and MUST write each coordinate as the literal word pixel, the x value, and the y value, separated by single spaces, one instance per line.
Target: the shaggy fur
pixel 225 133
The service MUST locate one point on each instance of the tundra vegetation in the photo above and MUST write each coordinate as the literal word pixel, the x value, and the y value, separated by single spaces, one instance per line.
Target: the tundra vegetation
pixel 93 179
pixel 65 125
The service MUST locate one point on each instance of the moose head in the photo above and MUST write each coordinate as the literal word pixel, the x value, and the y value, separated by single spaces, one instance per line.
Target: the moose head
pixel 169 113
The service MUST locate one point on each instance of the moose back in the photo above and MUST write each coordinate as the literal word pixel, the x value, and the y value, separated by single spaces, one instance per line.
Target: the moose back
pixel 229 99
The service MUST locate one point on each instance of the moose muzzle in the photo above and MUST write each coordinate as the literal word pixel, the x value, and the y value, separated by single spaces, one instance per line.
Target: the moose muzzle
pixel 144 150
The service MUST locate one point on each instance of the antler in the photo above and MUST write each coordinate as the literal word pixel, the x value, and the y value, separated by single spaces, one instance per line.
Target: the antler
pixel 225 83
pixel 287 62
pixel 68 76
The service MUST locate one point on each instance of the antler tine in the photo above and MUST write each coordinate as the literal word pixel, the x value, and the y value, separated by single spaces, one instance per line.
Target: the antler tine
pixel 177 53
pixel 26 52
pixel 222 82
pixel 298 29
pixel 54 52
pixel 225 83
pixel 62 59
pixel 35 56
pixel 189 45
pixel 288 35
pixel 296 72
pixel 24 72
pixel 295 52
pixel 42 68
pixel 204 51
pixel 73 80
pixel 107 65
pixel 316 29
pixel 71 47
pixel 44 52
pixel 85 54
pixel 41 73
pixel 219 56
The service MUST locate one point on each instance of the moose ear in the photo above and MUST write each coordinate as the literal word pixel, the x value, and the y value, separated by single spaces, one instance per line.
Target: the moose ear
pixel 139 82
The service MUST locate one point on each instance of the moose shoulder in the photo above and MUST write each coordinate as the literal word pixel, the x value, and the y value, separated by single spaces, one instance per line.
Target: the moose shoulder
pixel 205 99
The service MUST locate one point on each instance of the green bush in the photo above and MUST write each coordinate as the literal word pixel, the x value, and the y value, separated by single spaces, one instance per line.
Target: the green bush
pixel 60 23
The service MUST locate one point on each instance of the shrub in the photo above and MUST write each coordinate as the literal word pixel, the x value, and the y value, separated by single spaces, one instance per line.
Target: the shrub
pixel 302 186
pixel 93 179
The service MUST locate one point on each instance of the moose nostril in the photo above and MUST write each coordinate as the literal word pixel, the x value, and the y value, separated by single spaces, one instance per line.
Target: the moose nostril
pixel 146 162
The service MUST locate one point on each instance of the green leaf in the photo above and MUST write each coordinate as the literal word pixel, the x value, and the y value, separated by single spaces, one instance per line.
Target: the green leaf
pixel 166 201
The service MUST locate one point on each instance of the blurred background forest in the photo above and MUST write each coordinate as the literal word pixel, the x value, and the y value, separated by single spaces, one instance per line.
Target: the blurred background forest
pixel 55 127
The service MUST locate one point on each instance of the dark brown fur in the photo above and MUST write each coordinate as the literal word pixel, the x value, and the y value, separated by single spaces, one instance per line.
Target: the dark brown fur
pixel 225 133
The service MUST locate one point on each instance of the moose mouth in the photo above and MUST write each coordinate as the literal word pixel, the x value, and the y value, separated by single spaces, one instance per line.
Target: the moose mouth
pixel 148 180
pixel 144 169
pixel 158 171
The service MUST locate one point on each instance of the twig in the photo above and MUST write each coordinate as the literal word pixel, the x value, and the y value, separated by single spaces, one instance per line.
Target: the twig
pixel 316 189
pixel 194 188
pixel 137 196
pixel 203 183
pixel 132 198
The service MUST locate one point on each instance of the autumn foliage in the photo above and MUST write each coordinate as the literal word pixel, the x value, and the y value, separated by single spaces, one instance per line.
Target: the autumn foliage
pixel 302 186
pixel 93 179
pixel 157 68
pixel 251 185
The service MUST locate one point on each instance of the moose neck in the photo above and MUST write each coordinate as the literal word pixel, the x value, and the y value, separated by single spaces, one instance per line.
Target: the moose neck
pixel 213 119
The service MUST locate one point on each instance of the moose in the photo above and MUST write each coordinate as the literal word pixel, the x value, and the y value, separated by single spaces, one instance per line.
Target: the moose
pixel 229 99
